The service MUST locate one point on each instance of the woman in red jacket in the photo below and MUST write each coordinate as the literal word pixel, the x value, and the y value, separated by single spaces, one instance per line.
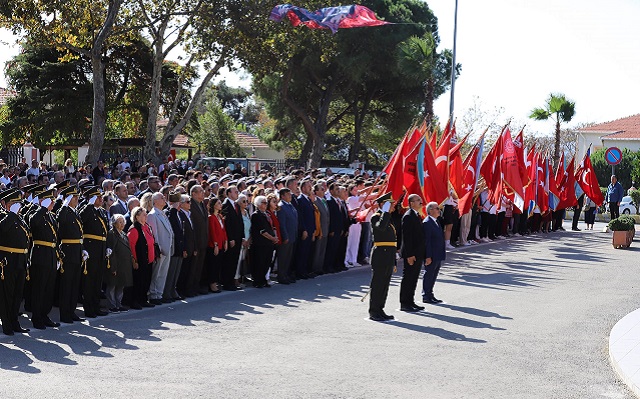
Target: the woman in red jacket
pixel 217 244
pixel 141 243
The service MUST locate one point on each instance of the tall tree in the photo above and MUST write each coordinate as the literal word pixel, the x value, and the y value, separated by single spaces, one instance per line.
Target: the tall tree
pixel 214 131
pixel 559 109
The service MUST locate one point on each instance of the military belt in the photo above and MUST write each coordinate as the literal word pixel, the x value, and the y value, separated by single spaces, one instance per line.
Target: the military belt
pixel 14 250
pixel 44 243
pixel 71 241
pixel 95 237
pixel 385 244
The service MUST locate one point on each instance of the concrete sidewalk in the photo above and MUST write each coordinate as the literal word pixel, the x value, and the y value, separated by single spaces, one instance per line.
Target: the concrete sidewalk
pixel 624 350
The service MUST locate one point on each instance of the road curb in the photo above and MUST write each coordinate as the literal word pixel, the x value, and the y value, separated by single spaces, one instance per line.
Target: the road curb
pixel 624 350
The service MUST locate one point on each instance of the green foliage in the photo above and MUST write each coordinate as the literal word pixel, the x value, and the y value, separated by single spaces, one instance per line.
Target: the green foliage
pixel 623 223
pixel 215 132
pixel 627 171
pixel 635 196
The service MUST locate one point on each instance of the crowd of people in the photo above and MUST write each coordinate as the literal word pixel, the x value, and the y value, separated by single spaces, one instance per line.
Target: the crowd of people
pixel 143 236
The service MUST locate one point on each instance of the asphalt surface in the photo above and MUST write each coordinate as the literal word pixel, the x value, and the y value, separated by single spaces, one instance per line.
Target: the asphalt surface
pixel 523 318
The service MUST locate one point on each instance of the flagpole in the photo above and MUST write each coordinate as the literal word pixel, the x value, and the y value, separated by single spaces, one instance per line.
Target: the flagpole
pixel 453 64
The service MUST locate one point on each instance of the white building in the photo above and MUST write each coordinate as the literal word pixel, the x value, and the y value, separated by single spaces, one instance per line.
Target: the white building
pixel 622 133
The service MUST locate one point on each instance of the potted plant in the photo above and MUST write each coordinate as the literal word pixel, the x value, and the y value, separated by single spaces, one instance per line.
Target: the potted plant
pixel 623 231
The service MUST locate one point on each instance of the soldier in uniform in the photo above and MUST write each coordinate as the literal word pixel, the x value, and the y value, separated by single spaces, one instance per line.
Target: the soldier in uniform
pixel 14 246
pixel 94 225
pixel 44 261
pixel 70 245
pixel 383 258
pixel 59 187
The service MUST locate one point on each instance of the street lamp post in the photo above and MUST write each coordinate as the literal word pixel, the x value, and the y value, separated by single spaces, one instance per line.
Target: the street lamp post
pixel 453 66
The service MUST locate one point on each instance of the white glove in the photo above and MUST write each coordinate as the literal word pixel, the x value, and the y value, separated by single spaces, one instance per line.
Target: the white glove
pixel 386 206
pixel 58 266
pixel 85 255
pixel 109 252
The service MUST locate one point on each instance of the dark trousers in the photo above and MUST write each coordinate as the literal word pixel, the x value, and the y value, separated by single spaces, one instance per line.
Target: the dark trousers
pixel 331 256
pixel 141 283
pixel 524 217
pixel 69 289
pixel 260 262
pixel 364 251
pixel 484 224
pixel 195 272
pixel 229 265
pixel 472 228
pixel 11 290
pixel 285 254
pixel 429 279
pixel 576 216
pixel 382 263
pixel 181 286
pixel 410 275
pixel 491 226
pixel 43 279
pixel 499 224
pixel 92 285
pixel 614 208
pixel 213 266
pixel 303 256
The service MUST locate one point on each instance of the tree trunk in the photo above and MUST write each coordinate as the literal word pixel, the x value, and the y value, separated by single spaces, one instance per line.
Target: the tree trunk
pixel 428 101
pixel 556 150
pixel 149 152
pixel 305 154
pixel 99 118
pixel 317 151
pixel 359 116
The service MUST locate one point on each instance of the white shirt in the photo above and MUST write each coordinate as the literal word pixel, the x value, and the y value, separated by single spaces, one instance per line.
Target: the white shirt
pixel 33 171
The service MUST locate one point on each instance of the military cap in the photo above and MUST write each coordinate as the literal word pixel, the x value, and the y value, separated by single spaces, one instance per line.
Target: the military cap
pixel 71 190
pixel 47 194
pixel 225 178
pixel 29 187
pixel 11 195
pixel 85 185
pixel 63 184
pixel 92 191
pixel 37 190
pixel 384 198
pixel 233 182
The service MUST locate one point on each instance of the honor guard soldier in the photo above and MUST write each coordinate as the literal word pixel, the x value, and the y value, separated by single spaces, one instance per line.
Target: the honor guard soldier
pixel 70 245
pixel 44 261
pixel 30 207
pixel 14 246
pixel 383 258
pixel 58 196
pixel 94 225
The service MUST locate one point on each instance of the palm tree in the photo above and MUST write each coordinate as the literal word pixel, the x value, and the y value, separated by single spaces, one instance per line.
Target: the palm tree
pixel 417 60
pixel 559 109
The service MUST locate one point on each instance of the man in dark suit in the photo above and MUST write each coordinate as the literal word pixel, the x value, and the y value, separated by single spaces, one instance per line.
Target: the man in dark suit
pixel 288 217
pixel 337 226
pixel 175 264
pixel 306 228
pixel 189 244
pixel 435 252
pixel 413 251
pixel 235 233
pixel 199 221
pixel 119 207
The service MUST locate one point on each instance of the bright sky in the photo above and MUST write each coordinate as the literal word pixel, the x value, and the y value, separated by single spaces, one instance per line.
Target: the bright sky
pixel 515 52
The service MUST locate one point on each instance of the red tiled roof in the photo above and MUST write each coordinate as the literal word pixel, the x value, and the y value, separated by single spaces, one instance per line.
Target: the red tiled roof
pixel 6 94
pixel 624 128
pixel 247 140
pixel 181 140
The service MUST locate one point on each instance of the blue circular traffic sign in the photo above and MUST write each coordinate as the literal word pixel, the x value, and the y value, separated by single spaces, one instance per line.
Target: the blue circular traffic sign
pixel 613 155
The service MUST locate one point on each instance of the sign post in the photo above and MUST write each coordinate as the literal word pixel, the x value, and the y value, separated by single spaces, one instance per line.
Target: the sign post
pixel 613 156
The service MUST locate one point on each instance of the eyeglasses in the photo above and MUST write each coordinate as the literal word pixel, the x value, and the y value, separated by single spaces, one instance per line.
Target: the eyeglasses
pixel 242 202
pixel 263 203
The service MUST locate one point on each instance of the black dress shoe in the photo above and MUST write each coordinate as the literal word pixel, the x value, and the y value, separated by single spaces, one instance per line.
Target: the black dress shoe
pixel 435 300
pixel 101 313
pixel 284 282
pixel 575 229
pixel 19 329
pixel 67 321
pixel 90 315
pixel 416 307
pixel 148 305
pixel 38 326
pixel 343 269
pixel 7 331
pixel 123 309
pixel 179 298
pixel 76 318
pixel 230 288
pixel 387 316
pixel 376 317
pixel 155 301
pixel 203 291
pixel 167 300
pixel 136 306
pixel 267 285
pixel 50 323
pixel 408 309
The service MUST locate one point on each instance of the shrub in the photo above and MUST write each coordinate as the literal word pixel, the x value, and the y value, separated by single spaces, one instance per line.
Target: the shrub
pixel 623 223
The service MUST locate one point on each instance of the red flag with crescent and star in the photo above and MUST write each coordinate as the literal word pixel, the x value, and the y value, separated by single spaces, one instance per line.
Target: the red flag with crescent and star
pixel 471 173
pixel 586 178
pixel 567 187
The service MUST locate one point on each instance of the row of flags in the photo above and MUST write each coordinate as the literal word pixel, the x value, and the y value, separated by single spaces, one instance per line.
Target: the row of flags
pixel 332 18
pixel 434 170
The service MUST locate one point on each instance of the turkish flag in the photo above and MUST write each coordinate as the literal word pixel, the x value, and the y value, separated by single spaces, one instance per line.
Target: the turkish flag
pixel 586 178
pixel 394 169
pixel 518 143
pixel 456 167
pixel 542 195
pixel 531 189
pixel 433 187
pixel 551 187
pixel 567 187
pixel 471 173
pixel 491 172
pixel 442 158
pixel 510 169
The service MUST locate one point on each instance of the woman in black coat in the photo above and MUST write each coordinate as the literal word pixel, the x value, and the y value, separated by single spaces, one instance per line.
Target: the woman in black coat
pixel 263 239
pixel 120 272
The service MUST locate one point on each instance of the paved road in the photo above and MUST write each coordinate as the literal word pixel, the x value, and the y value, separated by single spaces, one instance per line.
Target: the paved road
pixel 523 318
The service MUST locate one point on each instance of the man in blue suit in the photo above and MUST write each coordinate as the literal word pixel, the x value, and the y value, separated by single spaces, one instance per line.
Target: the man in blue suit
pixel 288 217
pixel 306 228
pixel 435 252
